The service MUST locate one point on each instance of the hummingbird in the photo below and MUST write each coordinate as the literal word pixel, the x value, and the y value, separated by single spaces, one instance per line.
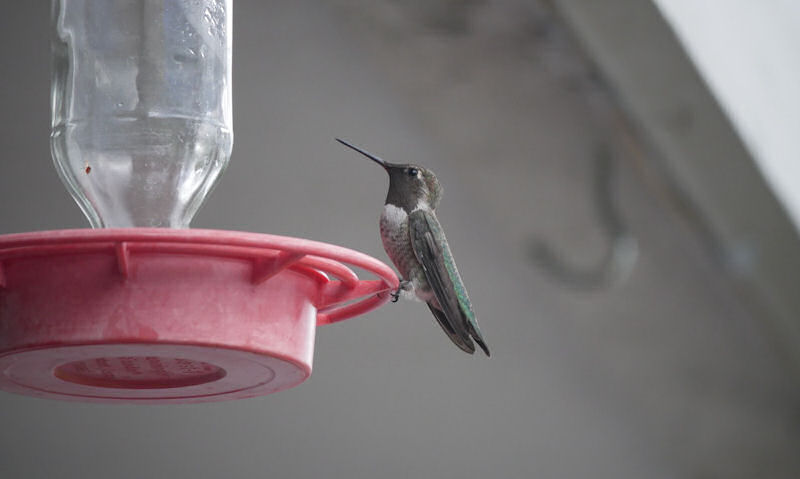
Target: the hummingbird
pixel 416 244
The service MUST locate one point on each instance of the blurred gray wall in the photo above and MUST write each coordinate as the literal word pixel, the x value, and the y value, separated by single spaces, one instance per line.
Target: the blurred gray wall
pixel 665 374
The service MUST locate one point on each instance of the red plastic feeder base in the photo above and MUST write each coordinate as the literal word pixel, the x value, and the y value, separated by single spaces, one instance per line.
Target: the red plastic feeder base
pixel 171 316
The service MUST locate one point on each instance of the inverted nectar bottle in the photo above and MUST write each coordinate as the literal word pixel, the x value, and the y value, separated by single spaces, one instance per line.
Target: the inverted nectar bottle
pixel 141 106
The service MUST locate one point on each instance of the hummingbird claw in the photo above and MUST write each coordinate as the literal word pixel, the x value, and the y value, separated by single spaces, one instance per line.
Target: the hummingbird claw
pixel 395 295
pixel 405 285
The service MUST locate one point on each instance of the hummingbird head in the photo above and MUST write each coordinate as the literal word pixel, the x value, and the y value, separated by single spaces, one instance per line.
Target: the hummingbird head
pixel 410 186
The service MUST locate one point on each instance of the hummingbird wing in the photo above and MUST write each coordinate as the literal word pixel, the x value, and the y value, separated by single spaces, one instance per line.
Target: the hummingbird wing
pixel 456 316
pixel 459 338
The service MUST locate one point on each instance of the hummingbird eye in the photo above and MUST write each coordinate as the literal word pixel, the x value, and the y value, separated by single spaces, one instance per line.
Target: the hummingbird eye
pixel 412 172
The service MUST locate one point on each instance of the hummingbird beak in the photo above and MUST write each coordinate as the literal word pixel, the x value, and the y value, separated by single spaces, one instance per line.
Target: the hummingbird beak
pixel 368 155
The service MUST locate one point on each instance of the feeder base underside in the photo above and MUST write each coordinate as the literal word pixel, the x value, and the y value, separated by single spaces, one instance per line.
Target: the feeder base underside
pixel 146 373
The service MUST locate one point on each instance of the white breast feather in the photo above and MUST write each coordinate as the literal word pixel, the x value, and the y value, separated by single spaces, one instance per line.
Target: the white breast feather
pixel 393 215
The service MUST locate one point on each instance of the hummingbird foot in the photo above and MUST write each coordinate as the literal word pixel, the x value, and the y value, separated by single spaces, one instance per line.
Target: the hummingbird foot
pixel 405 287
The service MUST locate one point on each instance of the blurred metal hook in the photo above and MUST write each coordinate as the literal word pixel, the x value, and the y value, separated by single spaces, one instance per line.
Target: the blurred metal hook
pixel 623 250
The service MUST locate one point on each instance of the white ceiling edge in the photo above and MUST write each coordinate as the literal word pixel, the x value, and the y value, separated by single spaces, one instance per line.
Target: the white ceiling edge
pixel 748 53
pixel 656 82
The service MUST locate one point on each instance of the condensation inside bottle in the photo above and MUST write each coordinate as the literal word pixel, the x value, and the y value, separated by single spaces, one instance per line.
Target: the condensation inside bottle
pixel 141 94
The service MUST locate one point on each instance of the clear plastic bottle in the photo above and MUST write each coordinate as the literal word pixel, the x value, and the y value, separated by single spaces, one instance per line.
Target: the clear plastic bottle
pixel 141 106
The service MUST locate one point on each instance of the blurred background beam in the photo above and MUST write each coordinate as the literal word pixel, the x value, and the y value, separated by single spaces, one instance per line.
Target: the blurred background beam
pixel 719 180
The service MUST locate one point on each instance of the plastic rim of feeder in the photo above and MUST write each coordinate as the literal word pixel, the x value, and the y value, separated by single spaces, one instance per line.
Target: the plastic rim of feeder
pixel 149 315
